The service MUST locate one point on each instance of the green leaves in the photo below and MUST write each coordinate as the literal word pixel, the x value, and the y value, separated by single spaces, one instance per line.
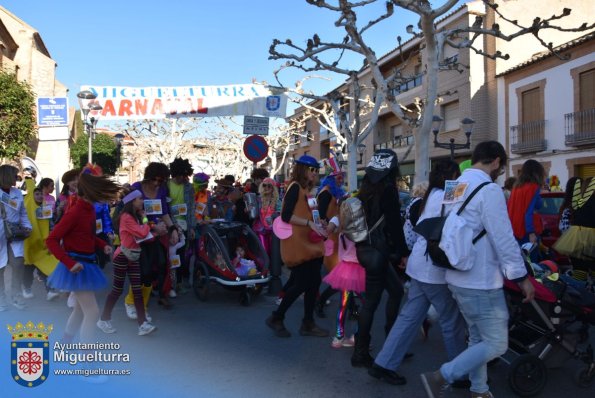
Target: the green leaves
pixel 104 152
pixel 17 116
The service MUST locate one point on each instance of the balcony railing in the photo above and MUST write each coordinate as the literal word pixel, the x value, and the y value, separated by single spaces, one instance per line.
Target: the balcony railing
pixel 528 137
pixel 399 142
pixel 580 128
pixel 407 85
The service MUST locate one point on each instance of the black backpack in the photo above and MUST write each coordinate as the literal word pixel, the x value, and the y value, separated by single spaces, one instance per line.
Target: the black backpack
pixel 431 230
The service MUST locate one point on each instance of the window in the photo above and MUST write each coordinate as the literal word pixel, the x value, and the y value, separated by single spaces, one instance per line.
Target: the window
pixel 450 114
pixel 396 131
pixel 587 90
pixel 530 110
pixel 584 122
pixel 528 136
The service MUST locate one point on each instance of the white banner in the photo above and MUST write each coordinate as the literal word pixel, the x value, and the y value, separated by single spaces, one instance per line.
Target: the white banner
pixel 189 101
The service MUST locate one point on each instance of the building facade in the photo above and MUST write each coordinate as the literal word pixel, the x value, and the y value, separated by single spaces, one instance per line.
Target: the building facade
pixel 547 107
pixel 23 52
pixel 474 90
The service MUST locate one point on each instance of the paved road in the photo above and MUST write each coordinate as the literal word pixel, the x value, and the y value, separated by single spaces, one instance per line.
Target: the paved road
pixel 221 349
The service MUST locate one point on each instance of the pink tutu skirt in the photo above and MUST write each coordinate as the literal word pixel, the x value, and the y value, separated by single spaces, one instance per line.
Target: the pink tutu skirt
pixel 348 276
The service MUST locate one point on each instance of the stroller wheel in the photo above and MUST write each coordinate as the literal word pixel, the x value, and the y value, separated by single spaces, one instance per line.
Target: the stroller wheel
pixel 200 283
pixel 245 298
pixel 256 290
pixel 583 378
pixel 527 375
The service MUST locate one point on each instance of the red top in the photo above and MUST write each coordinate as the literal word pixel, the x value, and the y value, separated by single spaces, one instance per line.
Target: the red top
pixel 518 206
pixel 76 230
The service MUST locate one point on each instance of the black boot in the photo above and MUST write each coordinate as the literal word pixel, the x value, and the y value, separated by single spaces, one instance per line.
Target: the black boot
pixel 319 309
pixel 276 323
pixel 309 328
pixel 361 357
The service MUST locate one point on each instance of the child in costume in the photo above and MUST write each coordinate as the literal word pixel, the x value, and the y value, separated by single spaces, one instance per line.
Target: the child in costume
pixel 349 277
pixel 73 242
pixel 37 256
pixel 134 227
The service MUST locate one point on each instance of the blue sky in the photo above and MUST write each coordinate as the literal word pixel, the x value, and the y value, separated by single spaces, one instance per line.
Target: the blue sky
pixel 183 42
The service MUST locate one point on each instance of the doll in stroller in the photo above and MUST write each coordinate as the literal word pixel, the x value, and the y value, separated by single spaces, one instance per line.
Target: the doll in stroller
pixel 231 255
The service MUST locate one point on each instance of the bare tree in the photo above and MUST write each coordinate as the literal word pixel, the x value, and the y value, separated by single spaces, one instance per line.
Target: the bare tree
pixel 160 140
pixel 335 109
pixel 433 39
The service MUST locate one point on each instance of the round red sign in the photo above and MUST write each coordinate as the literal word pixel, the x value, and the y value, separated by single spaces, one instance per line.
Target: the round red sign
pixel 256 148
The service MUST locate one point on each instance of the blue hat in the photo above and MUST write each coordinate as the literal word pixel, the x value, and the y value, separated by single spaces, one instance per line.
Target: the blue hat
pixel 308 161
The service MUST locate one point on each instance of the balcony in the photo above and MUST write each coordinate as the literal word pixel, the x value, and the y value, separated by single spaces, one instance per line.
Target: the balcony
pixel 528 137
pixel 407 85
pixel 398 142
pixel 580 128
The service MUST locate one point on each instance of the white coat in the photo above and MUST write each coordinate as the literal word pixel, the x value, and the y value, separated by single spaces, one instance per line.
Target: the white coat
pixel 15 216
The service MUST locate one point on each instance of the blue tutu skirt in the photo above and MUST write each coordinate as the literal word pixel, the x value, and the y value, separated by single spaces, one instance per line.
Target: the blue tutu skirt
pixel 90 278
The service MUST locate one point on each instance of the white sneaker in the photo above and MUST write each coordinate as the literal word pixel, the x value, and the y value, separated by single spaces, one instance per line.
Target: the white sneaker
pixel 27 293
pixel 148 317
pixel 349 341
pixel 19 304
pixel 173 294
pixel 337 342
pixel 106 326
pixel 71 302
pixel 52 294
pixel 146 328
pixel 130 311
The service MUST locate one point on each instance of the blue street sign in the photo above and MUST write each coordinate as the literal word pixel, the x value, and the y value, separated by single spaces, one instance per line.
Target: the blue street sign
pixel 52 111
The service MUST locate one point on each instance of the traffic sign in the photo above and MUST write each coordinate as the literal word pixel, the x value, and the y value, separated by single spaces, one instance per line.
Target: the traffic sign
pixel 256 125
pixel 256 148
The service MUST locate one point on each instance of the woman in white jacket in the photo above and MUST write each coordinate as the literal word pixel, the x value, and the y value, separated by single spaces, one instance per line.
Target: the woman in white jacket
pixel 12 209
pixel 428 287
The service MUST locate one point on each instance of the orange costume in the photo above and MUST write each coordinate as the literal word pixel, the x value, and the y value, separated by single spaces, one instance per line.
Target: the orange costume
pixel 298 248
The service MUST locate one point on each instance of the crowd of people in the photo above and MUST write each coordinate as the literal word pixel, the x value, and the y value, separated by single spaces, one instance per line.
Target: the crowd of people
pixel 147 229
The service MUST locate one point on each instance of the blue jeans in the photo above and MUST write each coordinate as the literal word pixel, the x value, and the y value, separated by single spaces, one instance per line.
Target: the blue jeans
pixel 487 319
pixel 412 315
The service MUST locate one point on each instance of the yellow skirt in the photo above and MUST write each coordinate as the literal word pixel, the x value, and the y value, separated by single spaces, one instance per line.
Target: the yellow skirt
pixel 577 242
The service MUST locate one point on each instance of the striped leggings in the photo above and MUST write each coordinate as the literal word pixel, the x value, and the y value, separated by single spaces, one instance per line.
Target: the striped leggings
pixel 123 266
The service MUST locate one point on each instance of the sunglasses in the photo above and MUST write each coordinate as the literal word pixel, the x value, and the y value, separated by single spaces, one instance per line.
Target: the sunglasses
pixel 267 186
pixel 313 169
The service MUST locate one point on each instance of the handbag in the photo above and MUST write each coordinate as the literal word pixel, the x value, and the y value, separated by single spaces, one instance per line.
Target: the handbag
pixel 13 231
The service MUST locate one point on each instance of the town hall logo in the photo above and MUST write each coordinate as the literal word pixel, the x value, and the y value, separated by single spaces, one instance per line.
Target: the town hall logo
pixel 29 353
pixel 273 102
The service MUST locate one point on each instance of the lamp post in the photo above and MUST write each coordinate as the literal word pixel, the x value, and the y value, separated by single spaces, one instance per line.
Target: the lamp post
pixel 466 126
pixel 118 138
pixel 87 105
pixel 361 148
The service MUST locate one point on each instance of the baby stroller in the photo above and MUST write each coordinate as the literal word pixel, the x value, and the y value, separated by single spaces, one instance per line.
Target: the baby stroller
pixel 548 331
pixel 215 249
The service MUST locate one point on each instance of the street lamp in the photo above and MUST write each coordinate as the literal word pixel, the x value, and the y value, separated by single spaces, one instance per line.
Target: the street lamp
pixel 361 148
pixel 118 138
pixel 466 126
pixel 87 105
